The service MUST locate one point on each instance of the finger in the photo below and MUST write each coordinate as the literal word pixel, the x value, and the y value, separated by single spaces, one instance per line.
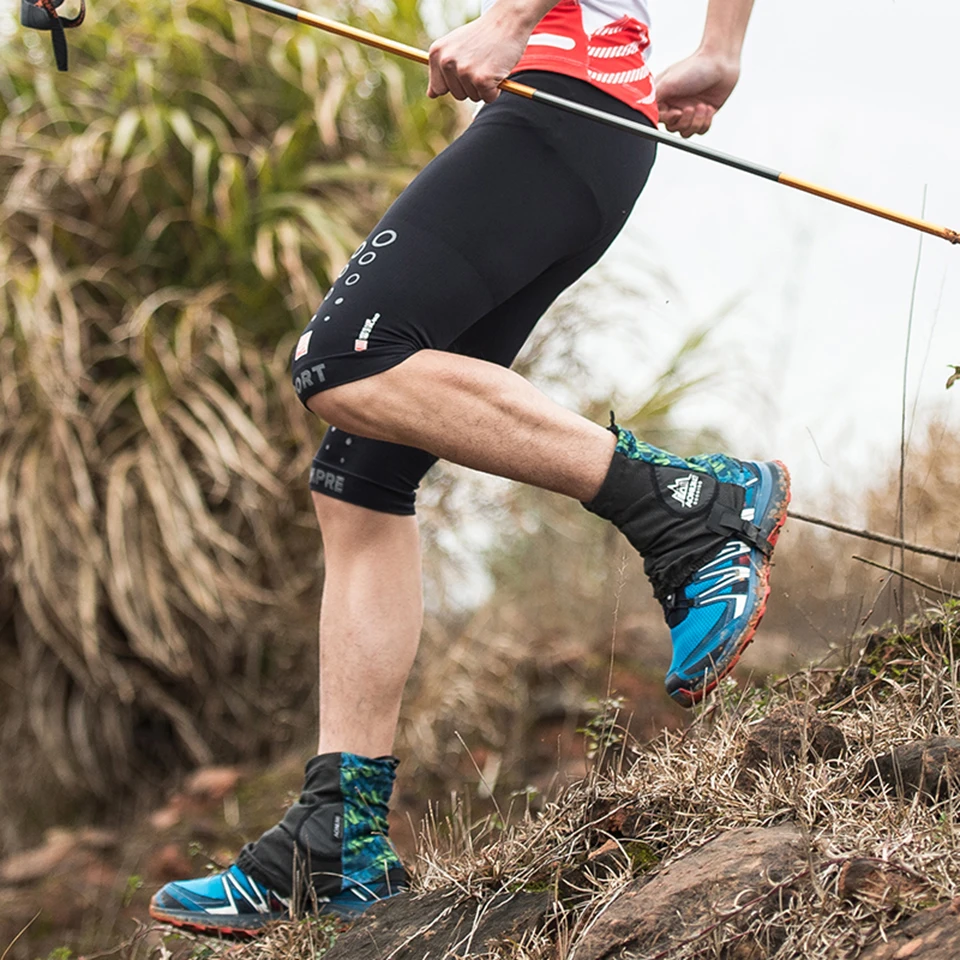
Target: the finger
pixel 438 85
pixel 708 115
pixel 700 121
pixel 670 118
pixel 452 79
pixel 470 86
pixel 685 123
pixel 489 90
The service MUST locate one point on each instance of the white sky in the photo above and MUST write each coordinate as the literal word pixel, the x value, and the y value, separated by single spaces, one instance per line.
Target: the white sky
pixel 860 96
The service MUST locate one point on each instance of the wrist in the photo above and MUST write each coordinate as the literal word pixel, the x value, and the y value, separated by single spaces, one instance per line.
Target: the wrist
pixel 519 17
pixel 724 55
pixel 724 31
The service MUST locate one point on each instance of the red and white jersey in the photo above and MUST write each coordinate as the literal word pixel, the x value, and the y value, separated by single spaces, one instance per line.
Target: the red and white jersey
pixel 604 42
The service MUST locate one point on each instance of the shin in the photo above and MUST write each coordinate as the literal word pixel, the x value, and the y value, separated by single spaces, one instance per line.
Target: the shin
pixel 370 622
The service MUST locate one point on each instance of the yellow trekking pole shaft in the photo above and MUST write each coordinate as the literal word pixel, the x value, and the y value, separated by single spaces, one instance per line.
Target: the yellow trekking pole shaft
pixel 610 119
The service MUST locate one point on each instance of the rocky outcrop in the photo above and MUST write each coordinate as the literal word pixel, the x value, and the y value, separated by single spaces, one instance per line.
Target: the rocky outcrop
pixel 933 934
pixel 881 884
pixel 734 879
pixel 441 924
pixel 928 767
pixel 793 733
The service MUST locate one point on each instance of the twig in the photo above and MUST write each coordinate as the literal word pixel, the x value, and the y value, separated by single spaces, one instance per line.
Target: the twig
pixel 907 576
pixel 139 934
pixel 3 956
pixel 901 491
pixel 876 537
pixel 483 780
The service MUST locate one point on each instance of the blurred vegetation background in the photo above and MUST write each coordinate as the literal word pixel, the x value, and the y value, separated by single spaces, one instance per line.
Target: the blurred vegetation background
pixel 171 212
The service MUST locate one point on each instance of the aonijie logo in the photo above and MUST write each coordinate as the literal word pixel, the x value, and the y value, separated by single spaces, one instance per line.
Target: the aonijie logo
pixel 686 490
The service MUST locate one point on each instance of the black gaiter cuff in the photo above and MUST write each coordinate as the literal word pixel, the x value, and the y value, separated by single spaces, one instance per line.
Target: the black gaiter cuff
pixel 676 519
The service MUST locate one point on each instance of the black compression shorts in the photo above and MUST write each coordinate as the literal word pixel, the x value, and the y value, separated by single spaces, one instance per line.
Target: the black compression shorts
pixel 467 260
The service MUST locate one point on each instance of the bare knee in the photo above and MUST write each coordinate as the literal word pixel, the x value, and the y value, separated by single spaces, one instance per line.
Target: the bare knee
pixel 358 528
pixel 335 515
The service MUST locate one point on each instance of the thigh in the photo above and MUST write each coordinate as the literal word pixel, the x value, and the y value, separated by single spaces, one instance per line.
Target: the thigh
pixel 385 476
pixel 444 255
pixel 499 335
pixel 523 192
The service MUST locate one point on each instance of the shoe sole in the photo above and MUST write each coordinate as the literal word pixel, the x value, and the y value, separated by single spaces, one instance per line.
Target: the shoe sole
pixel 187 921
pixel 191 921
pixel 690 698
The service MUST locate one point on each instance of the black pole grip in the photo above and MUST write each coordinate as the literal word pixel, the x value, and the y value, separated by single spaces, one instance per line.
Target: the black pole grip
pixel 42 15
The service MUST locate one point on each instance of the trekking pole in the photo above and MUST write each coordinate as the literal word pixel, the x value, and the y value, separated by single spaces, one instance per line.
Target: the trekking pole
pixel 611 120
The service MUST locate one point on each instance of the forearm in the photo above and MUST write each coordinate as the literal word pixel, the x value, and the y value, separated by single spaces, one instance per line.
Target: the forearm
pixel 725 28
pixel 519 15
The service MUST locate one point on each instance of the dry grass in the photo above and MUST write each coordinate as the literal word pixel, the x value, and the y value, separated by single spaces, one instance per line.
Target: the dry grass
pixel 680 791
pixel 661 800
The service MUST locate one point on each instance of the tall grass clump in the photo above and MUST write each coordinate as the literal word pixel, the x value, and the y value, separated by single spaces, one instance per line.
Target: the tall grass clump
pixel 171 211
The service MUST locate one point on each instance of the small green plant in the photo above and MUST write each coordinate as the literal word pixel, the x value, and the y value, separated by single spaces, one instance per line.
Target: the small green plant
pixel 602 732
pixel 133 884
pixel 641 855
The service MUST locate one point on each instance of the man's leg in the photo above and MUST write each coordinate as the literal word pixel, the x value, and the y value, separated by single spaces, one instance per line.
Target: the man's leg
pixel 441 273
pixel 370 622
pixel 476 414
pixel 705 526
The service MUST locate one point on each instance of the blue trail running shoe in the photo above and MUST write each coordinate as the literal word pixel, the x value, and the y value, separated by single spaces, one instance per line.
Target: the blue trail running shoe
pixel 226 903
pixel 329 855
pixel 706 527
pixel 233 904
pixel 715 614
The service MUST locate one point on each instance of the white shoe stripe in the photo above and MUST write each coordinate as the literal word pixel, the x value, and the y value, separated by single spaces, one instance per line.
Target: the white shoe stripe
pixel 259 907
pixel 739 602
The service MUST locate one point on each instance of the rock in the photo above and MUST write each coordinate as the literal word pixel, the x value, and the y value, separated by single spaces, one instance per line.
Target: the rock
pixel 789 734
pixel 169 863
pixel 440 924
pixel 929 767
pixel 846 684
pixel 165 818
pixel 29 866
pixel 211 784
pixel 932 934
pixel 739 873
pixel 880 884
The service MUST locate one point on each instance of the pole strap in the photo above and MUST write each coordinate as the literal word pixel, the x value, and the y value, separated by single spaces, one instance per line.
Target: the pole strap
pixel 43 15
